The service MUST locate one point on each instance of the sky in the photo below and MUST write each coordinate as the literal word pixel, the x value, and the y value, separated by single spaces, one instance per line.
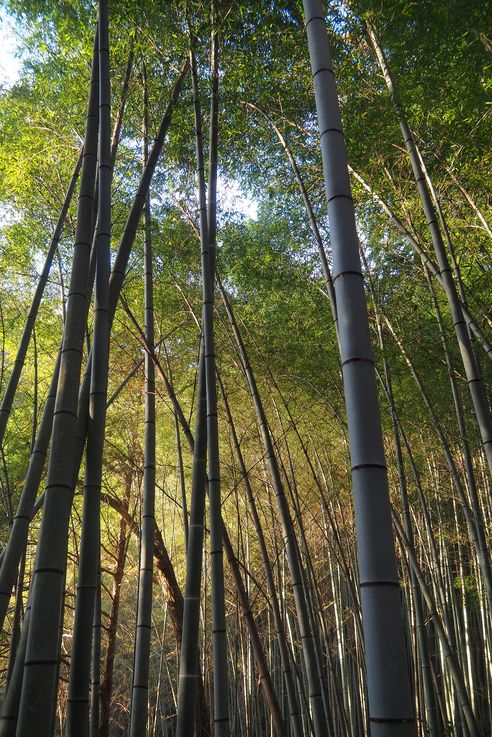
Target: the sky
pixel 9 64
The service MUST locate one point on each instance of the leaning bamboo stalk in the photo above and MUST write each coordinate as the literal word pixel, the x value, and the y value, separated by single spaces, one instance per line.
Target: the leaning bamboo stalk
pixel 475 505
pixel 17 541
pixel 471 323
pixel 390 701
pixel 118 273
pixel 320 720
pixel 452 663
pixel 416 246
pixel 471 522
pixel 89 561
pixel 309 210
pixel 294 711
pixel 39 687
pixel 470 364
pixel 254 639
pixel 123 254
pixel 13 381
pixel 470 201
pixel 188 668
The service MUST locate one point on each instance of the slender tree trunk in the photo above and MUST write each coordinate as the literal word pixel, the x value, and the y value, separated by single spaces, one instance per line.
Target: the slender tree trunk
pixel 140 685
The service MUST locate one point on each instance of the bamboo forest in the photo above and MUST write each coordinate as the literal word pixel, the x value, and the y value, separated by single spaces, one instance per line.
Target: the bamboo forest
pixel 245 360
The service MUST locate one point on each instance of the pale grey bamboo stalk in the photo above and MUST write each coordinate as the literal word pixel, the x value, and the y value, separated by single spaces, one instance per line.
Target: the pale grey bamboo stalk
pixel 39 688
pixel 430 706
pixel 391 710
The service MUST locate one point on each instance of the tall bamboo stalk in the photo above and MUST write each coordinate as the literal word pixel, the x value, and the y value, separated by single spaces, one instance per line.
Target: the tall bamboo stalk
pixel 208 233
pixel 388 677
